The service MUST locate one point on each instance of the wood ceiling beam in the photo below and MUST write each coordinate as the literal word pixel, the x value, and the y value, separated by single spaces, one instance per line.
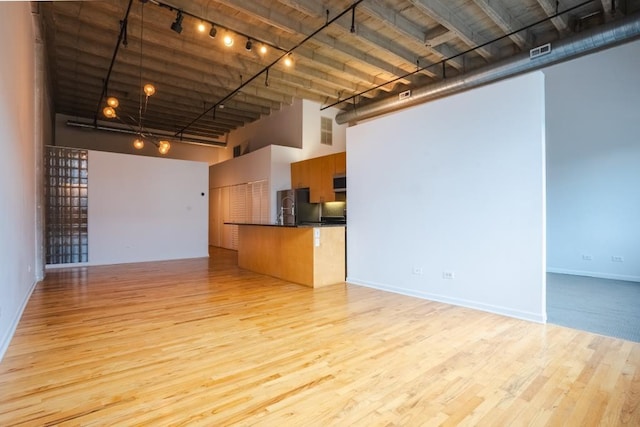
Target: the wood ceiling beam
pixel 438 36
pixel 275 19
pixel 409 29
pixel 496 10
pixel 164 106
pixel 374 39
pixel 560 22
pixel 169 123
pixel 337 71
pixel 447 17
pixel 302 81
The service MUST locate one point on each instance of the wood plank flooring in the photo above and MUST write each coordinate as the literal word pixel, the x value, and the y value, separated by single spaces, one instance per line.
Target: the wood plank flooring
pixel 202 342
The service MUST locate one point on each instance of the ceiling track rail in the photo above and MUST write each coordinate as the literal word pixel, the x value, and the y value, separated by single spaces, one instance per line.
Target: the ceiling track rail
pixel 266 69
pixel 444 61
pixel 608 35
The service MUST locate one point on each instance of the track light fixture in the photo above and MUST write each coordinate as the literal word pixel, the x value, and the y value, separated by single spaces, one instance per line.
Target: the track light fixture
pixel 248 45
pixel 213 31
pixel 263 49
pixel 177 24
pixel 201 27
pixel 288 61
pixel 228 40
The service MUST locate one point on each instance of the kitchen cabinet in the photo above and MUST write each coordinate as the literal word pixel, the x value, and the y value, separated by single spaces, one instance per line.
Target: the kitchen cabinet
pixel 301 174
pixel 322 180
pixel 317 175
pixel 310 256
pixel 341 163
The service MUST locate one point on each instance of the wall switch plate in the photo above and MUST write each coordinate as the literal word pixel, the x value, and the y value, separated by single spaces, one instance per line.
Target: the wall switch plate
pixel 587 258
pixel 448 275
pixel 417 271
pixel 617 258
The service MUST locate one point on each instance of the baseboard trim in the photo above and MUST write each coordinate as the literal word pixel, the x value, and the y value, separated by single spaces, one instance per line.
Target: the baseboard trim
pixel 6 339
pixel 503 311
pixel 100 264
pixel 596 274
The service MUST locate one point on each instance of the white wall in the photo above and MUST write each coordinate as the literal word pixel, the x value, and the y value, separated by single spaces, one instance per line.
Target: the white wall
pixel 146 209
pixel 296 125
pixel 18 204
pixel 89 139
pixel 455 185
pixel 282 127
pixel 311 146
pixel 593 164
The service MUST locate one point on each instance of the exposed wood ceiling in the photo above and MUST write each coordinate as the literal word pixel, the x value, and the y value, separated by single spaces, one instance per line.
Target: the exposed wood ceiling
pixel 196 75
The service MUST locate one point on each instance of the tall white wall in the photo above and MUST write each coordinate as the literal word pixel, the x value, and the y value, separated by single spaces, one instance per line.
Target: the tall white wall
pixel 296 125
pixel 18 204
pixel 282 127
pixel 311 118
pixel 593 164
pixel 146 209
pixel 89 139
pixel 455 185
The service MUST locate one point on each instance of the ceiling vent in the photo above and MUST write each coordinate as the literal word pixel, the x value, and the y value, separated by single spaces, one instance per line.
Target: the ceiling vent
pixel 540 50
pixel 404 95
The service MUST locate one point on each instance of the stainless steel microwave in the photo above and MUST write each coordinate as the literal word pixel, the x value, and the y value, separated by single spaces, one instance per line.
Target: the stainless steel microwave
pixel 340 183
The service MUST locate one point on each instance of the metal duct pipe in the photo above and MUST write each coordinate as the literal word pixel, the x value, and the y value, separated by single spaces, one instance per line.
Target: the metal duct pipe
pixel 157 133
pixel 617 32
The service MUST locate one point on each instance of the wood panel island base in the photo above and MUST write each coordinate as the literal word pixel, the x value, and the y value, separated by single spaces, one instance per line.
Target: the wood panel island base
pixel 310 256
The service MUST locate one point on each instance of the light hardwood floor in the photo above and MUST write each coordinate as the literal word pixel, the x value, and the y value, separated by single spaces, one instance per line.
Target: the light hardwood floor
pixel 201 342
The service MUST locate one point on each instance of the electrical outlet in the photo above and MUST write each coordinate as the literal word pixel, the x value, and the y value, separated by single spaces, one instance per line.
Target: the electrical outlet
pixel 448 275
pixel 617 258
pixel 417 271
pixel 587 258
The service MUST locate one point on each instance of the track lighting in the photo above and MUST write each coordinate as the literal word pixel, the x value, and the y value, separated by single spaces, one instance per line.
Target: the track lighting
pixel 201 27
pixel 248 45
pixel 288 61
pixel 213 31
pixel 263 49
pixel 177 25
pixel 228 40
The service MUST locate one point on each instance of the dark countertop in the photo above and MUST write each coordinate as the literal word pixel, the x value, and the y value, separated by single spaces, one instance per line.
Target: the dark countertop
pixel 303 225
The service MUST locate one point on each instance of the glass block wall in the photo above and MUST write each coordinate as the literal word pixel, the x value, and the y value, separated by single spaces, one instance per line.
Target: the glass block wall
pixel 66 199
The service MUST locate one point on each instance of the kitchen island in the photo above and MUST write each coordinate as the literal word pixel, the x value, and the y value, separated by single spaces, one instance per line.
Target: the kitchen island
pixel 308 255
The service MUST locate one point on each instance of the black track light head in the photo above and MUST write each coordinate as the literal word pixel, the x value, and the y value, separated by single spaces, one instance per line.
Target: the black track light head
pixel 213 32
pixel 248 45
pixel 177 25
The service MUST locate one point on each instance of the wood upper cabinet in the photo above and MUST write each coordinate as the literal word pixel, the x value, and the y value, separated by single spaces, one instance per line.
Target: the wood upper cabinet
pixel 301 174
pixel 317 174
pixel 341 163
pixel 322 180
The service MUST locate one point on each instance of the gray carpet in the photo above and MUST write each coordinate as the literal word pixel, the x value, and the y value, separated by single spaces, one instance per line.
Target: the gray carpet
pixel 606 307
